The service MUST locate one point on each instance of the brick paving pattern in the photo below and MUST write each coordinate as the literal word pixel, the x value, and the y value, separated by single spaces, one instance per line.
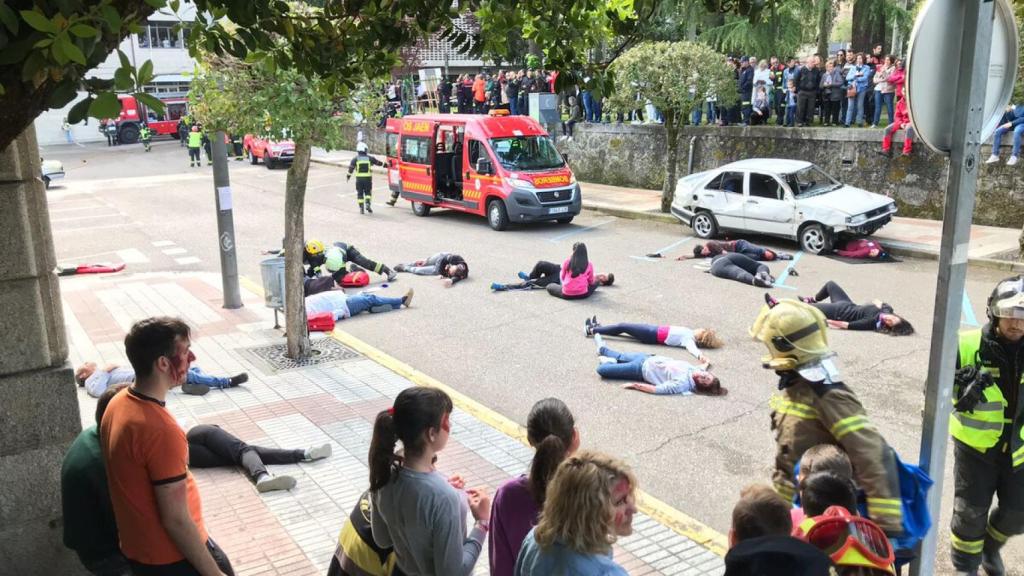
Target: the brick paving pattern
pixel 295 532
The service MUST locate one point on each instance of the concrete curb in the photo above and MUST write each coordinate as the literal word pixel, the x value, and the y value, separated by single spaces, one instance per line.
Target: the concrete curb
pixel 631 214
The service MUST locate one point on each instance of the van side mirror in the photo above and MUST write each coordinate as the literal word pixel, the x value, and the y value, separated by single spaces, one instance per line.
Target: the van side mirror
pixel 483 166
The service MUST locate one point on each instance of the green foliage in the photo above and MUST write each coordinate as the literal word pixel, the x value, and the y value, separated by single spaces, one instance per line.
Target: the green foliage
pixel 674 76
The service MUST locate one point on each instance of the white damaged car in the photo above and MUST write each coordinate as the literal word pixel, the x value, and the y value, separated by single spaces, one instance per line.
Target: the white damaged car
pixel 788 198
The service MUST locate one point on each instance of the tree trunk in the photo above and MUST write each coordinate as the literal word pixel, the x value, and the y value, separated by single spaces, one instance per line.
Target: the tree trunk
pixel 825 18
pixel 668 190
pixel 294 234
pixel 869 28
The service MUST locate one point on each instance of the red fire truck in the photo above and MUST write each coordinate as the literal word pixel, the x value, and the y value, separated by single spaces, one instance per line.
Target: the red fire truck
pixel 129 121
pixel 503 167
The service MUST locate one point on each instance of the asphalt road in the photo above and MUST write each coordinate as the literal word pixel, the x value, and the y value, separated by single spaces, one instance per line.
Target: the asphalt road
pixel 508 350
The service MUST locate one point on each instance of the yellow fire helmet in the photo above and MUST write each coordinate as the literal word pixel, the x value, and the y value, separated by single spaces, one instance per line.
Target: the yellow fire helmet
pixel 795 333
pixel 314 247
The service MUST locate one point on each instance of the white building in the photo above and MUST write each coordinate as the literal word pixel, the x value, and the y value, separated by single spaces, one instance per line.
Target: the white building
pixel 160 43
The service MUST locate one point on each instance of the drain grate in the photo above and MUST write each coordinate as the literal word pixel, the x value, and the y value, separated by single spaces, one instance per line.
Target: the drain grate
pixel 325 351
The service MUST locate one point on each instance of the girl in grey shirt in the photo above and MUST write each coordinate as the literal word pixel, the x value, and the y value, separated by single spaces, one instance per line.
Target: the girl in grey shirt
pixel 415 509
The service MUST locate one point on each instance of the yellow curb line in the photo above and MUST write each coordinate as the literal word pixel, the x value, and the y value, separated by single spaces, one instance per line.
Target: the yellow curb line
pixel 658 510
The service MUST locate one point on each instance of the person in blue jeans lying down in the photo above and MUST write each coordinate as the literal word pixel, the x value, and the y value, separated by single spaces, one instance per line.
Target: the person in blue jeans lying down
pixel 655 374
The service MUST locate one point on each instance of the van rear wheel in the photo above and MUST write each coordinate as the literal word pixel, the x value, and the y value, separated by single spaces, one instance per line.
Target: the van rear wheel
pixel 497 215
pixel 420 209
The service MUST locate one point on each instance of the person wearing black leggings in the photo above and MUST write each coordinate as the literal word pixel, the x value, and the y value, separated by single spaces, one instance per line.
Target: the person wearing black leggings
pixel 213 447
pixel 735 266
pixel 573 280
pixel 843 313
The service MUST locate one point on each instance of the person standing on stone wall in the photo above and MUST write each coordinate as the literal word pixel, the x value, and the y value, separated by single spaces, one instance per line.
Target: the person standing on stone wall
pixel 808 80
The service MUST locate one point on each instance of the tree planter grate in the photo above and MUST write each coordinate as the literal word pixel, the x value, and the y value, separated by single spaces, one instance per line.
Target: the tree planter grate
pixel 324 351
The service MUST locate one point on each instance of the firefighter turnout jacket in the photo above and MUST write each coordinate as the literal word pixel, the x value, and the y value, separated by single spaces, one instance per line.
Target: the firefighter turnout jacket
pixel 997 421
pixel 805 414
pixel 361 165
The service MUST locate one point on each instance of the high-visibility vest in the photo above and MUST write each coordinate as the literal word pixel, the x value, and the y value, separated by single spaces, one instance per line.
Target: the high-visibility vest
pixel 980 428
pixel 362 167
pixel 195 139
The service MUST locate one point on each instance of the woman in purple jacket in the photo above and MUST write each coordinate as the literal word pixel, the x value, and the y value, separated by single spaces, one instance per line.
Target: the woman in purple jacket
pixel 552 432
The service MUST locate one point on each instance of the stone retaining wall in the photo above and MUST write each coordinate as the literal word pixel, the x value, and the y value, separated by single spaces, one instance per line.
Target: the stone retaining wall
pixel 633 156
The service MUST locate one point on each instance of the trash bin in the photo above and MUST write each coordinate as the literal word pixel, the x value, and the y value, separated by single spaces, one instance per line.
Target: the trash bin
pixel 272 271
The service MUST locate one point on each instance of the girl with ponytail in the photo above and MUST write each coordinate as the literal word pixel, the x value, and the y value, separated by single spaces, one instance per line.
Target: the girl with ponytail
pixel 551 431
pixel 414 509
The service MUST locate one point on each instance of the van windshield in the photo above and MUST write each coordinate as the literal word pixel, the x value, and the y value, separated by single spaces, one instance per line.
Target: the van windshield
pixel 527 153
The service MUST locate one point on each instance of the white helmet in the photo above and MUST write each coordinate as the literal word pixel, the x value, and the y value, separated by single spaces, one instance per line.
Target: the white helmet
pixel 362 147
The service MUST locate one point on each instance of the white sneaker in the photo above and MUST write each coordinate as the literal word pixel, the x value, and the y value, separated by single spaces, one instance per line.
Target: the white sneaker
pixel 268 483
pixel 992 159
pixel 606 360
pixel 1011 161
pixel 598 341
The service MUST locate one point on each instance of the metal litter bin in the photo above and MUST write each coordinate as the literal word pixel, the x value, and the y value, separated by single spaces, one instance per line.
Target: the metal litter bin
pixel 272 271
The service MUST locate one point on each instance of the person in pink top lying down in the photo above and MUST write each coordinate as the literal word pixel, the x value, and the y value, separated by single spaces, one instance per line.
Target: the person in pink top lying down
pixel 573 280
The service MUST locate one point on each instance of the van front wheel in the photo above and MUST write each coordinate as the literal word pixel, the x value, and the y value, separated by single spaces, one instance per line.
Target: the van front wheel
pixel 497 215
pixel 420 209
pixel 565 220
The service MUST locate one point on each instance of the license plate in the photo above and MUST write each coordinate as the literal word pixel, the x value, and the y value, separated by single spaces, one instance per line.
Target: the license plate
pixel 559 210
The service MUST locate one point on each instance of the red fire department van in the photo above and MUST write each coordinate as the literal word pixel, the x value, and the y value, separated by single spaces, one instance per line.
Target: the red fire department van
pixel 129 120
pixel 503 167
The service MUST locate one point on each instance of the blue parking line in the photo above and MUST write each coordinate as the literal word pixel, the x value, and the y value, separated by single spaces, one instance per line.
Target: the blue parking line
pixel 579 231
pixel 969 318
pixel 781 280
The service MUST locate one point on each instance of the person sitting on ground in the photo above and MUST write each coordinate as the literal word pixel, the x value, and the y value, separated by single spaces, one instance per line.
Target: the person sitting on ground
pixel 590 503
pixel 451 267
pixel 820 458
pixel 820 491
pixel 197 382
pixel 573 280
pixel 414 509
pixel 856 545
pixel 691 339
pixel 357 554
pixel 742 269
pixel 862 248
pixel 551 430
pixel 342 305
pixel 759 540
pixel 655 374
pixel 843 314
pixel 713 248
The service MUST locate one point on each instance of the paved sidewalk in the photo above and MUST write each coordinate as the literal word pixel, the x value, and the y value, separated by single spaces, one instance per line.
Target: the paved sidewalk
pixel 294 533
pixel 908 236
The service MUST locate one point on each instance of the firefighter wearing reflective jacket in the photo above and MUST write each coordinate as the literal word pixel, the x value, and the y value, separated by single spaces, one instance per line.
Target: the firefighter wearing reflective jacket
pixel 987 426
pixel 814 407
pixel 361 164
pixel 195 143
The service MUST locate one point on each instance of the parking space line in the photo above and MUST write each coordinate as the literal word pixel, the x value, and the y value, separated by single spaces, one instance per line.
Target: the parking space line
pixel 560 237
pixel 662 251
pixel 781 281
pixel 969 318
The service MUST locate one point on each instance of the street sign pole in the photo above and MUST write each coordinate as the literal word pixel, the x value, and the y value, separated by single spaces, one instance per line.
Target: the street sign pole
pixel 225 223
pixel 976 45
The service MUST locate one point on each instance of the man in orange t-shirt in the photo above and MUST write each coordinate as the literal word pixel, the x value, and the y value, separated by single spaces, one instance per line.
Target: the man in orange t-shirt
pixel 480 94
pixel 155 498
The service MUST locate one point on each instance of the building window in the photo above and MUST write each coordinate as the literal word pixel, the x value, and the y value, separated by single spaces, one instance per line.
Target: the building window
pixel 161 34
pixel 166 88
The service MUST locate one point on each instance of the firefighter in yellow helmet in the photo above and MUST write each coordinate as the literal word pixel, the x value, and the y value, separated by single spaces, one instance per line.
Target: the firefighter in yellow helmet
pixel 814 406
pixel 987 426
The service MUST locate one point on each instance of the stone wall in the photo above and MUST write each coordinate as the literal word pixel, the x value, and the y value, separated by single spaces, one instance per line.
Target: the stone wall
pixel 38 404
pixel 632 155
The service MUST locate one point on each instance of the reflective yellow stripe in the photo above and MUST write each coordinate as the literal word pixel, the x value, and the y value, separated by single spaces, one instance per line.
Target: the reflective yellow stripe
pixel 967 546
pixel 784 490
pixel 848 425
pixel 996 534
pixel 800 410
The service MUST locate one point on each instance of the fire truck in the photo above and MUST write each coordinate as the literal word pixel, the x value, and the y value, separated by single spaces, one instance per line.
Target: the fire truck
pixel 165 123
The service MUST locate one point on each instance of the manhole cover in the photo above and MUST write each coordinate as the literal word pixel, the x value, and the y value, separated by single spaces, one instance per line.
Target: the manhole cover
pixel 325 351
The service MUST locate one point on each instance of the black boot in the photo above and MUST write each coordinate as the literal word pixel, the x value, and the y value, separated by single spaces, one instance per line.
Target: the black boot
pixel 361 209
pixel 991 559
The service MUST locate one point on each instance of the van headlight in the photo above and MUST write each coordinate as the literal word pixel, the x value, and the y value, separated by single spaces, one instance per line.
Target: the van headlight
pixel 572 178
pixel 519 183
pixel 856 220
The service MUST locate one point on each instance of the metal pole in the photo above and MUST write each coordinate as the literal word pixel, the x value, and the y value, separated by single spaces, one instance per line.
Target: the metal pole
pixel 976 45
pixel 225 223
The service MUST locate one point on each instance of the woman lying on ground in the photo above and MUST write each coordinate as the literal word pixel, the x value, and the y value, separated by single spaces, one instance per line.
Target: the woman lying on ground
pixel 862 248
pixel 691 339
pixel 573 280
pixel 655 374
pixel 735 266
pixel 716 247
pixel 451 267
pixel 843 314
